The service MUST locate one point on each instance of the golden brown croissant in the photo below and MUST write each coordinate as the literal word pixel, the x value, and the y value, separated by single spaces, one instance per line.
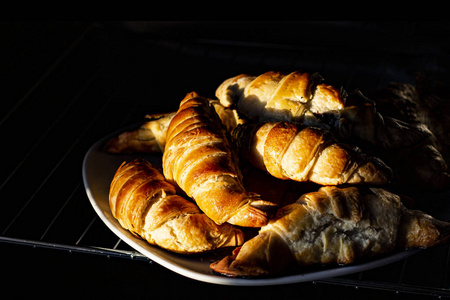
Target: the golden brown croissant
pixel 292 151
pixel 278 96
pixel 150 137
pixel 147 205
pixel 198 158
pixel 294 96
pixel 334 225
pixel 353 118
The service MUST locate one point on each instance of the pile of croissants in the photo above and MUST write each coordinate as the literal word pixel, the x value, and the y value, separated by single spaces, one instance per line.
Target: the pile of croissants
pixel 304 164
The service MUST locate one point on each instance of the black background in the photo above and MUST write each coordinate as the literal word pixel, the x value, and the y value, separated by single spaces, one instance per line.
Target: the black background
pixel 67 84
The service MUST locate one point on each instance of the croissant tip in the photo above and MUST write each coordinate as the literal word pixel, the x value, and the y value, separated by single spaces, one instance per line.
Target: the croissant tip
pixel 111 145
pixel 268 207
pixel 192 94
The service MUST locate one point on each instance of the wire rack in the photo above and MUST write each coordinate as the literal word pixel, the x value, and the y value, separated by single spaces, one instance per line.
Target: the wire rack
pixel 73 83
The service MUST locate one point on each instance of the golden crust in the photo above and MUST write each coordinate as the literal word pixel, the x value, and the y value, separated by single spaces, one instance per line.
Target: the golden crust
pixel 150 137
pixel 147 205
pixel 333 225
pixel 278 96
pixel 228 92
pixel 291 151
pixel 200 161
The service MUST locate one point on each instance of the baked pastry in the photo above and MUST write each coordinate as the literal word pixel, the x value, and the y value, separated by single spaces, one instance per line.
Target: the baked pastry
pixel 352 117
pixel 292 151
pixel 150 137
pixel 420 131
pixel 333 226
pixel 147 205
pixel 199 160
pixel 433 95
pixel 296 96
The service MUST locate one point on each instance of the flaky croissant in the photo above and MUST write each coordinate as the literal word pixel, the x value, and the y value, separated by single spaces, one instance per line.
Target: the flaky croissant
pixel 334 225
pixel 413 128
pixel 352 117
pixel 295 96
pixel 147 205
pixel 199 159
pixel 292 151
pixel 278 96
pixel 150 137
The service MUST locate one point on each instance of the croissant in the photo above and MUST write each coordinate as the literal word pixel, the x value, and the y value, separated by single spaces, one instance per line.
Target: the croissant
pixel 333 225
pixel 147 205
pixel 305 98
pixel 292 151
pixel 433 98
pixel 150 137
pixel 410 131
pixel 278 96
pixel 200 161
pixel 296 96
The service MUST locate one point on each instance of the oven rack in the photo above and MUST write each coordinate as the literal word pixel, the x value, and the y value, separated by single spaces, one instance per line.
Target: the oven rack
pixel 101 77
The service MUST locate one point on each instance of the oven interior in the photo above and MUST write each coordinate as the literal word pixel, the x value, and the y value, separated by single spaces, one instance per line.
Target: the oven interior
pixel 68 84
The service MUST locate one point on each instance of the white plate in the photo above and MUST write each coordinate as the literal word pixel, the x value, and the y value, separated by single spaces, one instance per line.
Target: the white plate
pixel 99 168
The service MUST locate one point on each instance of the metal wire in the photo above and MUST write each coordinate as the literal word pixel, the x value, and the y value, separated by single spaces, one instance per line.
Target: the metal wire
pixel 204 48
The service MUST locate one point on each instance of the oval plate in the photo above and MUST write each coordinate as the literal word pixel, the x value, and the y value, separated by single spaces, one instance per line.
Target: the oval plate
pixel 98 171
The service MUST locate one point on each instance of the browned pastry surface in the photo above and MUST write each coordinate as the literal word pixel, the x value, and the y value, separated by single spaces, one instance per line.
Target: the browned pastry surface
pixel 199 159
pixel 294 96
pixel 291 127
pixel 333 225
pixel 304 98
pixel 147 205
pixel 292 151
pixel 150 137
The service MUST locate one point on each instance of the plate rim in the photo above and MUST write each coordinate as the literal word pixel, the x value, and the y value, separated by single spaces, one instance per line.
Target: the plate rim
pixel 151 251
